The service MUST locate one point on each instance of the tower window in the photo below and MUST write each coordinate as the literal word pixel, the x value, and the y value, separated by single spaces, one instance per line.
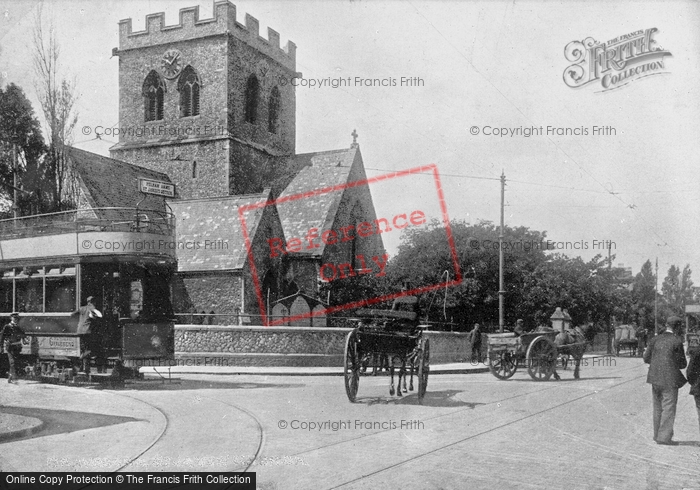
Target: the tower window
pixel 194 169
pixel 153 95
pixel 273 111
pixel 251 99
pixel 189 86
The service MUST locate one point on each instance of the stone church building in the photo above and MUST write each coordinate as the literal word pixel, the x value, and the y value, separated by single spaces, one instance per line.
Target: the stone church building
pixel 208 105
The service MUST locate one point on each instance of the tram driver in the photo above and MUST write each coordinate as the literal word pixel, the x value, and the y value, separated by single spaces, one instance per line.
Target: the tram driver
pixel 86 330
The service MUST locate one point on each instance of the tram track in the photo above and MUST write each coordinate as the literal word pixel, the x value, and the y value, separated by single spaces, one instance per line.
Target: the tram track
pixel 484 432
pixel 553 386
pixel 155 440
pixel 167 424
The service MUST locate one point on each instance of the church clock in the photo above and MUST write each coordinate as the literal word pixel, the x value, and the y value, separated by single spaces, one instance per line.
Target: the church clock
pixel 171 63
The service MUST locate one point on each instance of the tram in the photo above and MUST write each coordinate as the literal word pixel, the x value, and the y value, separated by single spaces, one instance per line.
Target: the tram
pixel 122 257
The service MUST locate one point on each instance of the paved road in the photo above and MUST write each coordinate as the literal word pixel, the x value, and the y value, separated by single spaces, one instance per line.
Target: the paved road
pixel 472 431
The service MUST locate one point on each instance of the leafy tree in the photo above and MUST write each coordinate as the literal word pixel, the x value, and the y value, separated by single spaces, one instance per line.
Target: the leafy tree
pixel 677 291
pixel 424 258
pixel 20 133
pixel 643 294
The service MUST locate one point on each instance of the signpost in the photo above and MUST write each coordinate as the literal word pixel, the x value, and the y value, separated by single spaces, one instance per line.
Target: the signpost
pixel 156 187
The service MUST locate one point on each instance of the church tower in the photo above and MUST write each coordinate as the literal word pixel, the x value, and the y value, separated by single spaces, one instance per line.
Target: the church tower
pixel 208 102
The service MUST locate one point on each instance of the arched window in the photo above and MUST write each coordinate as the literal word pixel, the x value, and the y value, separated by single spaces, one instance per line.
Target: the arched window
pixel 153 95
pixel 251 99
pixel 194 169
pixel 273 111
pixel 189 87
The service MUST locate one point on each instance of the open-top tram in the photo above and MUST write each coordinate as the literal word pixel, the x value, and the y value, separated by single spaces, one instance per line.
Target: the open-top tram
pixel 51 264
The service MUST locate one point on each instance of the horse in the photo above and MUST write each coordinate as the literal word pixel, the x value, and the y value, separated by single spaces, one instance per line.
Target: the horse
pixel 574 343
pixel 403 362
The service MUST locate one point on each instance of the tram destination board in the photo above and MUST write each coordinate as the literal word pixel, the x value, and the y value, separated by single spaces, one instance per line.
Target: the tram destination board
pixel 157 187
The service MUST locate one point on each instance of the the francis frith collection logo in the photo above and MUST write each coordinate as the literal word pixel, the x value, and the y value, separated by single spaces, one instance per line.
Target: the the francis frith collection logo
pixel 615 63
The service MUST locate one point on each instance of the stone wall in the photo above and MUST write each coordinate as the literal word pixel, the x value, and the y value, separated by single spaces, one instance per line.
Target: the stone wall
pixel 288 346
pixel 219 292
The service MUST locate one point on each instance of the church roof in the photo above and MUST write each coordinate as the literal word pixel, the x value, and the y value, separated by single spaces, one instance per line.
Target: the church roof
pixel 209 235
pixel 318 171
pixel 110 183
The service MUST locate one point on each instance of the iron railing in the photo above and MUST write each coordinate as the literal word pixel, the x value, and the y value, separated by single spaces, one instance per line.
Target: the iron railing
pixel 87 220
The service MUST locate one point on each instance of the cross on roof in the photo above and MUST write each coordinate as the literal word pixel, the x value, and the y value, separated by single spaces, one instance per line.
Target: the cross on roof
pixel 354 139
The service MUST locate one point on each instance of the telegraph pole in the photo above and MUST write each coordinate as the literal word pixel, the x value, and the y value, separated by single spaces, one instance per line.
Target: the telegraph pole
pixel 656 295
pixel 14 181
pixel 501 289
pixel 611 320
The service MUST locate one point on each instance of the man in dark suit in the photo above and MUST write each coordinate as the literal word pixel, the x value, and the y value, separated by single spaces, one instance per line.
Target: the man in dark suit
pixel 693 374
pixel 11 339
pixel 666 358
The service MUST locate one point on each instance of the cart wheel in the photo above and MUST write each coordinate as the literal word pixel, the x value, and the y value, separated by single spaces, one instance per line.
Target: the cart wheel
pixel 503 365
pixel 352 366
pixel 423 368
pixel 541 358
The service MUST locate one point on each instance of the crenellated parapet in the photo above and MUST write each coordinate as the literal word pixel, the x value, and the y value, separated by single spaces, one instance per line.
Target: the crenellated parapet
pixel 192 27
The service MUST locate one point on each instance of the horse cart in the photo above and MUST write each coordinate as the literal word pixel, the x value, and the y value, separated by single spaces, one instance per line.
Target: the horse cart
pixel 625 339
pixel 392 335
pixel 537 351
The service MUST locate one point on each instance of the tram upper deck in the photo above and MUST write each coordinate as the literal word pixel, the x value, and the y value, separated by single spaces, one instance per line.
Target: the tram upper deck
pixel 123 257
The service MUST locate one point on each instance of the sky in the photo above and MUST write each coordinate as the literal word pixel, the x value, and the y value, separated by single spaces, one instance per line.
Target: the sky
pixel 475 66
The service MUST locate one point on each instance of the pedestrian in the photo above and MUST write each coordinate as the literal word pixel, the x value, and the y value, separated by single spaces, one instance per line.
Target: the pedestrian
pixel 666 358
pixel 475 341
pixel 693 374
pixel 641 341
pixel 86 330
pixel 11 339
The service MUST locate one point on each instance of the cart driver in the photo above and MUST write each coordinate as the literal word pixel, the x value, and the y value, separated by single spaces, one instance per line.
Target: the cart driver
pixel 519 327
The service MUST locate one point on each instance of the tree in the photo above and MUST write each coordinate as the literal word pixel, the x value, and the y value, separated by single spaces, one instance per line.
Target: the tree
pixel 58 98
pixel 676 291
pixel 424 259
pixel 20 138
pixel 643 294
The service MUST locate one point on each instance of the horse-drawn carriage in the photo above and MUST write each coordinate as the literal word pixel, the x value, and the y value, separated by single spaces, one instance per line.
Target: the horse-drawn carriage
pixel 387 334
pixel 626 339
pixel 538 351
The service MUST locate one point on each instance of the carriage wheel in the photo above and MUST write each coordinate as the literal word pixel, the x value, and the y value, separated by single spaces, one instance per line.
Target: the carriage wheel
pixel 352 366
pixel 503 366
pixel 423 368
pixel 541 358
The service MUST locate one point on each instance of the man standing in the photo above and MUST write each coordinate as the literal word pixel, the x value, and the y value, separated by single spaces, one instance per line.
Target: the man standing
pixel 11 339
pixel 693 374
pixel 86 331
pixel 475 340
pixel 666 358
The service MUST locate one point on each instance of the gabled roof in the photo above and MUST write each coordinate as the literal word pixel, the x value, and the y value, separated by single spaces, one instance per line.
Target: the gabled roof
pixel 318 171
pixel 209 234
pixel 107 182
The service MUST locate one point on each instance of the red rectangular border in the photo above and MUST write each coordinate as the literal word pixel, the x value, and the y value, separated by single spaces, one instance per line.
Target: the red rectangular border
pixel 432 168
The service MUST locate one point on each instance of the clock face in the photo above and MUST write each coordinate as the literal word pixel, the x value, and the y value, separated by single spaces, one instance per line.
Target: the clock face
pixel 171 63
